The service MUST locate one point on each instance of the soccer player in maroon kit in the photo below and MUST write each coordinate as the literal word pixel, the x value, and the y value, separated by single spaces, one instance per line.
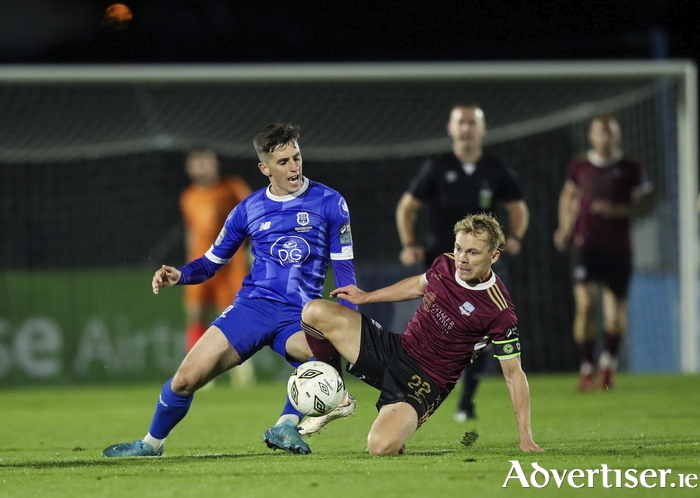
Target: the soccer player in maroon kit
pixel 603 191
pixel 465 307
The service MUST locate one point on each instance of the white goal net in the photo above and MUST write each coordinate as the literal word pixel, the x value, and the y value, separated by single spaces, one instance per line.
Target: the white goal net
pixel 73 137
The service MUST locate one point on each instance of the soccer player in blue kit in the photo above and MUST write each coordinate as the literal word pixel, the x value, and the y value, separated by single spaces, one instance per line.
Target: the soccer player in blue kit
pixel 296 228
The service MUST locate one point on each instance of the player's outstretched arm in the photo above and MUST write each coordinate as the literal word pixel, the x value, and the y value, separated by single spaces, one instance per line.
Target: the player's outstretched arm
pixel 405 290
pixel 165 276
pixel 516 381
pixel 350 293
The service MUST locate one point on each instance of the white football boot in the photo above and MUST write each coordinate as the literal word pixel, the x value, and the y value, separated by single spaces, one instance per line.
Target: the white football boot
pixel 312 425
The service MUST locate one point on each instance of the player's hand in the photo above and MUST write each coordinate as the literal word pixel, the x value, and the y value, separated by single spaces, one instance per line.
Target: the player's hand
pixel 512 246
pixel 165 276
pixel 350 293
pixel 530 445
pixel 411 255
pixel 602 208
pixel 562 240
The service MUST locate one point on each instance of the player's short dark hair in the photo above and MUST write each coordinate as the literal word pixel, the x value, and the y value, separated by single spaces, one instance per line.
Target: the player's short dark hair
pixel 274 137
pixel 197 151
pixel 605 118
pixel 483 223
pixel 469 103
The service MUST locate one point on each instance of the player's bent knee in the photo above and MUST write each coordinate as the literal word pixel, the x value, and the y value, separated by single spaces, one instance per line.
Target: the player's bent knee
pixel 325 319
pixel 316 311
pixel 381 446
pixel 384 450
pixel 182 385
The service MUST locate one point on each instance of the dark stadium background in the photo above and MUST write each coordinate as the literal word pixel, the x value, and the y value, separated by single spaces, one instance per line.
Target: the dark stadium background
pixel 313 30
pixel 219 31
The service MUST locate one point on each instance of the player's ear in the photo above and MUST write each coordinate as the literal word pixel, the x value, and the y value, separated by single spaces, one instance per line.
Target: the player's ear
pixel 496 256
pixel 264 169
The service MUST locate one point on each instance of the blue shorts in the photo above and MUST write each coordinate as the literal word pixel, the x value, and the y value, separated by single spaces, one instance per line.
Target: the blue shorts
pixel 251 324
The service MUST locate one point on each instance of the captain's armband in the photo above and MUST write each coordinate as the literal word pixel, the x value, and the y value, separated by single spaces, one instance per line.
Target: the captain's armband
pixel 510 348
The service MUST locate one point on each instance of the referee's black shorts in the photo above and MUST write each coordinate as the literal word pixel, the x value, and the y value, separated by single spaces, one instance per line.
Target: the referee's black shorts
pixel 384 364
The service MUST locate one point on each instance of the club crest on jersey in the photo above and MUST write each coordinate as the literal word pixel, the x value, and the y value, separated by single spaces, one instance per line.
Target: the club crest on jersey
pixel 303 218
pixel 467 308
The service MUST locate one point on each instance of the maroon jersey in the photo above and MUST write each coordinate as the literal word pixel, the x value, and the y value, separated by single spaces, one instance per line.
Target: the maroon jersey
pixel 613 181
pixel 455 322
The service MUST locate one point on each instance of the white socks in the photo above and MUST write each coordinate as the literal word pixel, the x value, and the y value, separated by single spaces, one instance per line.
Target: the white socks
pixel 156 443
pixel 289 416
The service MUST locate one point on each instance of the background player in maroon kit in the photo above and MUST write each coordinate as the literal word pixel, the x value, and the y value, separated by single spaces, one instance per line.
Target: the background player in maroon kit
pixel 603 191
pixel 465 307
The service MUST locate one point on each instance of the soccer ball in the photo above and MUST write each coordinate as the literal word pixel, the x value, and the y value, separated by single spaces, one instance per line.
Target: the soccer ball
pixel 315 388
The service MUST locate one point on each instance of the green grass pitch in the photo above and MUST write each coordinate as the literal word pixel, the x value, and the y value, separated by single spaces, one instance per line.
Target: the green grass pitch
pixel 51 439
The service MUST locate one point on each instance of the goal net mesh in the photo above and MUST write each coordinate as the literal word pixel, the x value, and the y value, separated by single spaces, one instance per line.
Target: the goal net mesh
pixel 90 174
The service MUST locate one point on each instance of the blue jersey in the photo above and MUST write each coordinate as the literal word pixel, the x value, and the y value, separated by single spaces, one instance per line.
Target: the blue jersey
pixel 293 238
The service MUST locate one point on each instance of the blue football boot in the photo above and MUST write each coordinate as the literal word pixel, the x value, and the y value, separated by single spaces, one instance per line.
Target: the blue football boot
pixel 286 437
pixel 137 448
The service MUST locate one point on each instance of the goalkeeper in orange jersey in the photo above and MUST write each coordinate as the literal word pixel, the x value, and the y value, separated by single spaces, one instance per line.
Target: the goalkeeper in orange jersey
pixel 205 204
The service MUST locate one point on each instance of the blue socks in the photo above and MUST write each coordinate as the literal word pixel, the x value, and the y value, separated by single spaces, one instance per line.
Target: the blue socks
pixel 171 408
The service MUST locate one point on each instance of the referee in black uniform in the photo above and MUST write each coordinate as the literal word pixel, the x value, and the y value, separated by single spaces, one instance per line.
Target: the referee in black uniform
pixel 454 185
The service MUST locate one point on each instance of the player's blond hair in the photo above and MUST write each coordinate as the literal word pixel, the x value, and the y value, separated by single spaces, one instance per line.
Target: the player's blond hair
pixel 483 224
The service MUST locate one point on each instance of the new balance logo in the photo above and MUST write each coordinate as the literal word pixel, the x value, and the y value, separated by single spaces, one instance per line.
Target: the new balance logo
pixel 265 225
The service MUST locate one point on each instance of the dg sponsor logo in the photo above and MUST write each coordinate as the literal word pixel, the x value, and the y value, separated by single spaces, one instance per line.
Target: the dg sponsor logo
pixel 290 251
